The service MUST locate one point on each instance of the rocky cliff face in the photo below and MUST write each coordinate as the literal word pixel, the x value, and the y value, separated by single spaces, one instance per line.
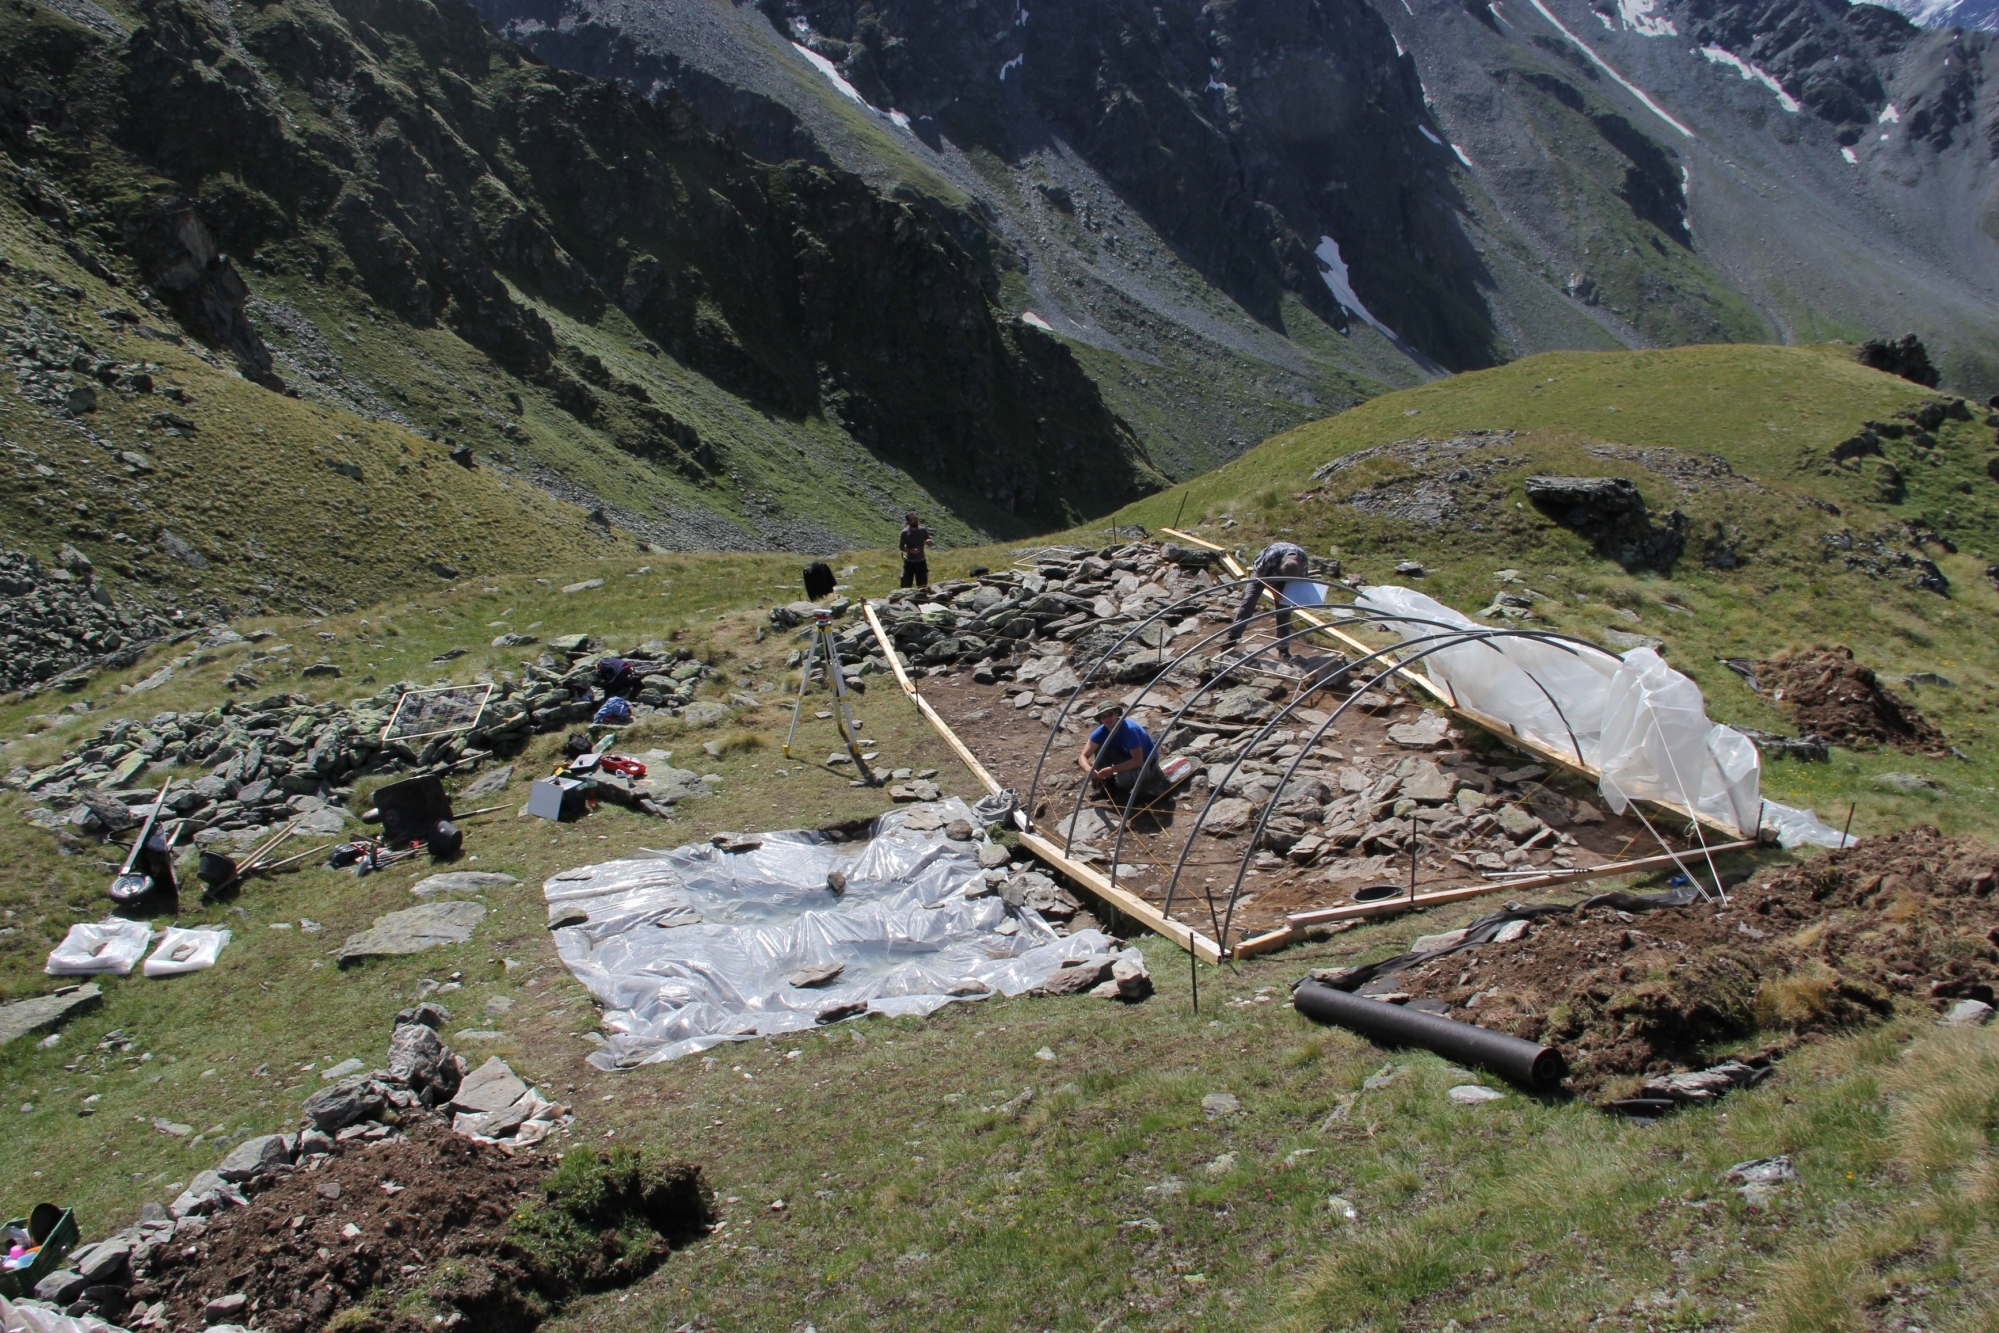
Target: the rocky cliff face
pixel 1245 133
pixel 397 151
pixel 1473 181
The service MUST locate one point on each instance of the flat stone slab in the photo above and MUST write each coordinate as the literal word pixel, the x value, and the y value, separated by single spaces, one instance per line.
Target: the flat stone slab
pixel 1427 732
pixel 413 930
pixel 493 1086
pixel 45 1013
pixel 461 881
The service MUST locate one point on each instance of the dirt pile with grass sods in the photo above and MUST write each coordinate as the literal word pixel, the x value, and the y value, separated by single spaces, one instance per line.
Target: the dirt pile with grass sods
pixel 1912 918
pixel 1839 700
pixel 434 1231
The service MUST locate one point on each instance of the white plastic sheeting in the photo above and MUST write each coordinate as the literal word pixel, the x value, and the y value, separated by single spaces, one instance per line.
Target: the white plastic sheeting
pixel 99 948
pixel 1800 828
pixel 1642 725
pixel 187 949
pixel 691 948
pixel 1657 744
pixel 39 1317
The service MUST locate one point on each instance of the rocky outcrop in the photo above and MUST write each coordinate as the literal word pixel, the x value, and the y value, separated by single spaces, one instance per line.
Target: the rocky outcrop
pixel 399 147
pixel 1610 513
pixel 1906 357
pixel 1244 132
pixel 53 621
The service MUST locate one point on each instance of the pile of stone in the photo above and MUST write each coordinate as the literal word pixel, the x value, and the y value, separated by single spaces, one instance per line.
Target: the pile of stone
pixel 284 756
pixel 1066 594
pixel 490 1104
pixel 107 1279
pixel 65 373
pixel 55 622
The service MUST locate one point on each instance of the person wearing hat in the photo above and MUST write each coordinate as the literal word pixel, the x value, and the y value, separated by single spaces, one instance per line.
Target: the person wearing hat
pixel 1278 567
pixel 1120 754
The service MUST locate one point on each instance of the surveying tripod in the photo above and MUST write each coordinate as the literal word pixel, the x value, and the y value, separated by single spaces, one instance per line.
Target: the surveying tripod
pixel 822 647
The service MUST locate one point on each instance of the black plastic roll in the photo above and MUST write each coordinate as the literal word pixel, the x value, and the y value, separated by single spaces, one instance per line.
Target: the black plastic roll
pixel 1524 1062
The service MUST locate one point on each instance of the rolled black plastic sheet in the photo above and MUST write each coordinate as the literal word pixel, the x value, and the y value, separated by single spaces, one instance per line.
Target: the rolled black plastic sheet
pixel 1523 1062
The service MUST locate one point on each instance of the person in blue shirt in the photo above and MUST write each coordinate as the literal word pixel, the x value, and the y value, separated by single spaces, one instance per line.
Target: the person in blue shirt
pixel 1120 754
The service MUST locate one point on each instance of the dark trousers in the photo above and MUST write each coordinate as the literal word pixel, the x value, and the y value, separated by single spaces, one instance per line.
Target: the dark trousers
pixel 1250 596
pixel 1146 777
pixel 915 573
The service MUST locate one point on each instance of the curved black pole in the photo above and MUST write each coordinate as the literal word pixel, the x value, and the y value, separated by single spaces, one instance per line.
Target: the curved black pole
pixel 1456 636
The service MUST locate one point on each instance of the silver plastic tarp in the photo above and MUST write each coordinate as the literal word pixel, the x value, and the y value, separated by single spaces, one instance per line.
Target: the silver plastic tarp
pixel 691 948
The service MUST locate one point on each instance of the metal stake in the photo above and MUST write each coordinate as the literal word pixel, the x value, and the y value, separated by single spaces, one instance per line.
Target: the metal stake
pixel 1412 856
pixel 1851 806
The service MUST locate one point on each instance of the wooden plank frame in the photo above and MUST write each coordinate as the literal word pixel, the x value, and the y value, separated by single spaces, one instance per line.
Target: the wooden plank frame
pixel 1300 921
pixel 1090 878
pixel 1528 745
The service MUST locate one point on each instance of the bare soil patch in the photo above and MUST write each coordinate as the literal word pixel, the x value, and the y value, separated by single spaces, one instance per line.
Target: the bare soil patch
pixel 1839 700
pixel 1911 918
pixel 396 1233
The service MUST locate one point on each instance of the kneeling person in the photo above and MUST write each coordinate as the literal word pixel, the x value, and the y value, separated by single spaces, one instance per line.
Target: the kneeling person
pixel 1120 755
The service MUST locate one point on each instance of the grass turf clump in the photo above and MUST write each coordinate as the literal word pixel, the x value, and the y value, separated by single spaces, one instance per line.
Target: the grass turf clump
pixel 608 1218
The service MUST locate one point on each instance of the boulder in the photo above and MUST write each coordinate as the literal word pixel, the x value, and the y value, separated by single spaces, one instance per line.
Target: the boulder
pixel 1426 782
pixel 419 1058
pixel 413 930
pixel 256 1157
pixel 1074 978
pixel 347 1102
pixel 45 1013
pixel 204 1194
pixel 461 881
pixel 493 1086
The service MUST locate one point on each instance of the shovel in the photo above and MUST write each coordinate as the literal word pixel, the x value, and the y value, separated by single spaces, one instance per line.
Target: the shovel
pixel 132 883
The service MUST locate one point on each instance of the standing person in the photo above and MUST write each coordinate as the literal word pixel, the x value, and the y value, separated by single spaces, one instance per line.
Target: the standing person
pixel 1120 754
pixel 1277 565
pixel 915 544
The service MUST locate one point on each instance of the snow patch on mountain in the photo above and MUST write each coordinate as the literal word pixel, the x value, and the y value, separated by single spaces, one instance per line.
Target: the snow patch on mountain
pixel 1606 67
pixel 1639 17
pixel 1337 282
pixel 832 72
pixel 1721 55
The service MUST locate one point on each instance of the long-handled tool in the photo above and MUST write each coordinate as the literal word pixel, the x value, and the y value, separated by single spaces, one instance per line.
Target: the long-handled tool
pixel 133 883
pixel 822 646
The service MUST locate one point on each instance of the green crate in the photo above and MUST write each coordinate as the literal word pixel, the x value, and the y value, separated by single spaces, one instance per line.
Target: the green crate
pixel 55 1229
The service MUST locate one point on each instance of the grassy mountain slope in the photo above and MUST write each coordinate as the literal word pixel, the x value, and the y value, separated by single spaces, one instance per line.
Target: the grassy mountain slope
pixel 1111 1198
pixel 1740 440
pixel 383 207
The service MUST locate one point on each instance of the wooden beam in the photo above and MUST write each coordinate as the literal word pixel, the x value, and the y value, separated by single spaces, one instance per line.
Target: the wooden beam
pixel 1392 906
pixel 923 705
pixel 1275 939
pixel 1130 904
pixel 1534 748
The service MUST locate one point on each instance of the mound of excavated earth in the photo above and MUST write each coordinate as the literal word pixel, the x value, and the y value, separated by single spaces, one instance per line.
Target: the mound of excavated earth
pixel 1839 700
pixel 1908 919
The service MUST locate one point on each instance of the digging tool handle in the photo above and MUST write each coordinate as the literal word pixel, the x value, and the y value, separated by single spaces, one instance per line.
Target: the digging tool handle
pixel 145 831
pixel 1522 1062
